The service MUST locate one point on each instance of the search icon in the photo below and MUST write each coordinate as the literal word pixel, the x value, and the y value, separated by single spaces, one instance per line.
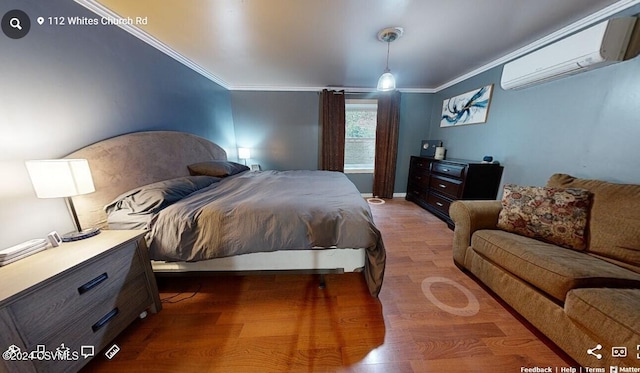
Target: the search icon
pixel 15 23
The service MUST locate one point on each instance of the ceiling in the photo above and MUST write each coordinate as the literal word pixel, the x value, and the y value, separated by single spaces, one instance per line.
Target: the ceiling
pixel 314 44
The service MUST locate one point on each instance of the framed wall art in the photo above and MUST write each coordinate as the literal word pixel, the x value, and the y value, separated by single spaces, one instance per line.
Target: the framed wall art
pixel 468 108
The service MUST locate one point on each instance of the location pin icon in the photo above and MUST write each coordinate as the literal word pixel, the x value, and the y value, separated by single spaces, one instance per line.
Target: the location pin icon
pixel 40 20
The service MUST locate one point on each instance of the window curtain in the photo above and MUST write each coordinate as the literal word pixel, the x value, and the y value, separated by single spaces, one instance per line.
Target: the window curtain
pixel 387 128
pixel 332 120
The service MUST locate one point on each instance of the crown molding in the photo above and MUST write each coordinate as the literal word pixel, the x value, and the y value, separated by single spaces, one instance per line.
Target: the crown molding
pixel 317 89
pixel 563 32
pixel 600 15
pixel 417 90
pixel 103 11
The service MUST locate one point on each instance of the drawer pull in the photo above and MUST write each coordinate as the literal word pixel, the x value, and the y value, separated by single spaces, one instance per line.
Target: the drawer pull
pixel 442 186
pixel 439 204
pixel 105 319
pixel 93 283
pixel 445 169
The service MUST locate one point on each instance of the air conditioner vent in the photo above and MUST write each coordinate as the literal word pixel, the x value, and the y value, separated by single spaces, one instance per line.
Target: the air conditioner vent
pixel 600 45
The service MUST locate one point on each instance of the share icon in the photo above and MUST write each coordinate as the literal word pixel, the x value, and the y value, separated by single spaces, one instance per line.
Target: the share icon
pixel 591 351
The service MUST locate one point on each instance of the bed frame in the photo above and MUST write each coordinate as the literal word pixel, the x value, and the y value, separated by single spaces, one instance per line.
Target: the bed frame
pixel 124 162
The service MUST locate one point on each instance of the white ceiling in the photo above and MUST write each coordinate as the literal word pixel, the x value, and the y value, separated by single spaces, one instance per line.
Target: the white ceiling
pixel 313 44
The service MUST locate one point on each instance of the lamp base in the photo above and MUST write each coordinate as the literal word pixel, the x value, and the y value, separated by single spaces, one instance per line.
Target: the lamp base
pixel 76 236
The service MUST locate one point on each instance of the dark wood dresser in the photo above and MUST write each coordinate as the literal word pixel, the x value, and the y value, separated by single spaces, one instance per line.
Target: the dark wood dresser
pixel 433 184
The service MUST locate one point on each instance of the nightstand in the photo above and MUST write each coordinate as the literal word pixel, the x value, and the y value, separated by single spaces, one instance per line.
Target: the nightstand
pixel 59 305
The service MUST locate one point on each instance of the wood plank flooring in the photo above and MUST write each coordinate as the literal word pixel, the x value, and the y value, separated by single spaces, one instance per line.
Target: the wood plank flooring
pixel 429 317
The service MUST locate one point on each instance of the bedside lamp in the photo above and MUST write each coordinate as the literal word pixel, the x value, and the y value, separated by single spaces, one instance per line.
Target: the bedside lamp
pixel 63 178
pixel 244 153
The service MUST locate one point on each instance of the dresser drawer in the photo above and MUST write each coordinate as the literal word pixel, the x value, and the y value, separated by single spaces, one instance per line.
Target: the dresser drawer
pixel 452 170
pixel 420 179
pixel 450 187
pixel 416 191
pixel 439 203
pixel 420 164
pixel 53 305
pixel 450 180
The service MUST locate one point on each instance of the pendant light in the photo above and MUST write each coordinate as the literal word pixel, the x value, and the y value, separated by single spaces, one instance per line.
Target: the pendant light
pixel 387 81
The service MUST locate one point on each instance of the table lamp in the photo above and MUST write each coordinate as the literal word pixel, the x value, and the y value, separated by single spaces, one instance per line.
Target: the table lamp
pixel 66 178
pixel 244 153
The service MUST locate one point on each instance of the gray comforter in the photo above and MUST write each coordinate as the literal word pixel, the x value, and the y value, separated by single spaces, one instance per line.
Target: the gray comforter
pixel 268 211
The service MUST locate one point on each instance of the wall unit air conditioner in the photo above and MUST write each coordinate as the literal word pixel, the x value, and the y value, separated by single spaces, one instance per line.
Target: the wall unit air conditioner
pixel 608 42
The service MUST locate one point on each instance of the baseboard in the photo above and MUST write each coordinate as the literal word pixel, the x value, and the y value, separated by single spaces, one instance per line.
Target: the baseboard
pixel 395 195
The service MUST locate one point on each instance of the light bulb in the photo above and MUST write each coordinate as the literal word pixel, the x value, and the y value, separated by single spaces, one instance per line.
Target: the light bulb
pixel 386 82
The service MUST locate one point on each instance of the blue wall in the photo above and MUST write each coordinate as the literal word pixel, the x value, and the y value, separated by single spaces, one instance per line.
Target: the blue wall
pixel 415 109
pixel 586 125
pixel 67 87
pixel 282 130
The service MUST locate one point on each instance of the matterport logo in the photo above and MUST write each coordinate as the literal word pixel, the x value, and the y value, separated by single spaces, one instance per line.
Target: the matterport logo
pixel 62 353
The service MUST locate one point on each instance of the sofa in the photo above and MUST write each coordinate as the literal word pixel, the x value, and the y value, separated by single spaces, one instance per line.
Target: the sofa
pixel 566 257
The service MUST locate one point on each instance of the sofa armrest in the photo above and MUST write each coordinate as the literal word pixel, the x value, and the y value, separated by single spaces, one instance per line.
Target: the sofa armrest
pixel 468 217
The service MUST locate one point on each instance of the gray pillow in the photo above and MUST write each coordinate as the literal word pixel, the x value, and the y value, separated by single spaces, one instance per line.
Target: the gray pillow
pixel 217 168
pixel 154 197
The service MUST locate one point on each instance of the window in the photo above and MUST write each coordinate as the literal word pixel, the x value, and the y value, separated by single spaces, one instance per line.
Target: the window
pixel 360 135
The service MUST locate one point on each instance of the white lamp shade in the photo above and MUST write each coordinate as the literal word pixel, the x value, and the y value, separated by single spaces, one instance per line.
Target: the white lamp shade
pixel 244 153
pixel 386 82
pixel 60 177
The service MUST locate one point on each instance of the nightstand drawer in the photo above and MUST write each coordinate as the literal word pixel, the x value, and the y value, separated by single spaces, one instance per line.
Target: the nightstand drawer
pixel 452 170
pixel 449 187
pixel 80 294
pixel 439 203
pixel 51 306
pixel 97 326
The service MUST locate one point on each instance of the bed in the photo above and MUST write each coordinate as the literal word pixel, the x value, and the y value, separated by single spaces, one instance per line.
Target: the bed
pixel 206 214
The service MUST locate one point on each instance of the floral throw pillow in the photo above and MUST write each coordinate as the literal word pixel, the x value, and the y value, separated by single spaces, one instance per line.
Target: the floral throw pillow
pixel 555 215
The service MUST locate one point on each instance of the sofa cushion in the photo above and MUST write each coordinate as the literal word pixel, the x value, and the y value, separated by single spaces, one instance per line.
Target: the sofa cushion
pixel 555 215
pixel 611 314
pixel 552 269
pixel 614 222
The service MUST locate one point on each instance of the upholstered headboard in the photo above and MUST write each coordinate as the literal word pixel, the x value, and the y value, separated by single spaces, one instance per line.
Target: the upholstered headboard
pixel 128 161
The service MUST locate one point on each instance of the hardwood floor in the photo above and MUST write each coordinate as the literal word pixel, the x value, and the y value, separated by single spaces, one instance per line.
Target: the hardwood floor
pixel 430 317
